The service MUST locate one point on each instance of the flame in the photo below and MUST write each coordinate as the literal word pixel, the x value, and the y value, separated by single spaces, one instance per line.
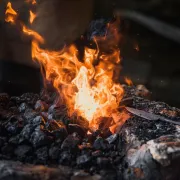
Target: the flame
pixel 128 81
pixel 33 2
pixel 32 17
pixel 10 14
pixel 86 89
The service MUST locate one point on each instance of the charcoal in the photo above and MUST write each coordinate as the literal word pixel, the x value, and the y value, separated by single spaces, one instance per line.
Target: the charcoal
pixel 38 120
pixel 30 114
pixel 111 139
pixel 44 115
pixel 7 149
pixel 75 119
pixel 126 102
pixel 71 128
pixel 14 125
pixel 60 133
pixel 97 153
pixel 29 98
pixel 26 133
pixel 103 162
pixel 106 133
pixel 41 106
pixel 100 144
pixel 39 138
pixel 22 108
pixel 54 125
pixel 65 158
pixel 22 151
pixel 85 145
pixel 83 160
pixel 54 152
pixel 14 140
pixel 42 154
pixel 104 122
pixel 71 142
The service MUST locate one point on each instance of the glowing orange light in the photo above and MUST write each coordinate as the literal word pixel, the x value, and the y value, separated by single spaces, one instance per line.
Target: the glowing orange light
pixel 31 1
pixel 128 81
pixel 32 17
pixel 10 14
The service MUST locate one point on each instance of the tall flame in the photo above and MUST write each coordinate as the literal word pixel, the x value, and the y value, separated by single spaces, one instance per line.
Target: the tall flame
pixel 86 89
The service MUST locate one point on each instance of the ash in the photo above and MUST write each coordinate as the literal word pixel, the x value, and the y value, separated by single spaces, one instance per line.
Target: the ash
pixel 35 130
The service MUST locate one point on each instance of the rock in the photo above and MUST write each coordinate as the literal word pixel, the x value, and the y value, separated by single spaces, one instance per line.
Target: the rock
pixel 103 162
pixel 100 144
pixel 83 160
pixel 71 128
pixel 22 151
pixel 54 152
pixel 60 133
pixel 39 138
pixel 26 133
pixel 111 139
pixel 41 106
pixel 30 114
pixel 38 120
pixel 14 140
pixel 22 108
pixel 71 142
pixel 42 155
pixel 14 125
pixel 65 158
pixel 97 153
pixel 157 159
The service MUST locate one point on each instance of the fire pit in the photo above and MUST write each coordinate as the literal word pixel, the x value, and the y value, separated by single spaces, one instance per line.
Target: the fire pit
pixel 85 124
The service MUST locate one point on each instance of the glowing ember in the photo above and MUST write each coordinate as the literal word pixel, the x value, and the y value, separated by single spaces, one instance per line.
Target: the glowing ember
pixel 86 89
pixel 10 13
pixel 32 17
pixel 128 81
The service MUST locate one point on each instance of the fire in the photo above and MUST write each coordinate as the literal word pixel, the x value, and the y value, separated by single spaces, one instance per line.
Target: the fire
pixel 10 13
pixel 32 17
pixel 33 2
pixel 128 81
pixel 86 89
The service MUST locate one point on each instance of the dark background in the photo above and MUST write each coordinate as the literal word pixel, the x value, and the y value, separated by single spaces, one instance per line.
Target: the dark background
pixel 156 64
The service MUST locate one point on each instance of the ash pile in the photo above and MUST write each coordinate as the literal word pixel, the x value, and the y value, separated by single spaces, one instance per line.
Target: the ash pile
pixel 35 131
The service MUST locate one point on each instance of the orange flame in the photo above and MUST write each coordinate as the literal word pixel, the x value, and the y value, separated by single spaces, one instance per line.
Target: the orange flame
pixel 33 2
pixel 10 14
pixel 86 89
pixel 128 81
pixel 32 17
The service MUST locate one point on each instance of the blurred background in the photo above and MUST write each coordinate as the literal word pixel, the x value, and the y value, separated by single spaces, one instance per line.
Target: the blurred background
pixel 148 57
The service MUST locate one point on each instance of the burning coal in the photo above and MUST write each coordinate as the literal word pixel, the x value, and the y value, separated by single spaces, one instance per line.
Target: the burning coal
pixel 86 89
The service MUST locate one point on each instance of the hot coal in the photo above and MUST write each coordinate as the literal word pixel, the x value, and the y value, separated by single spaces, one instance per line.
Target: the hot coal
pixel 37 129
